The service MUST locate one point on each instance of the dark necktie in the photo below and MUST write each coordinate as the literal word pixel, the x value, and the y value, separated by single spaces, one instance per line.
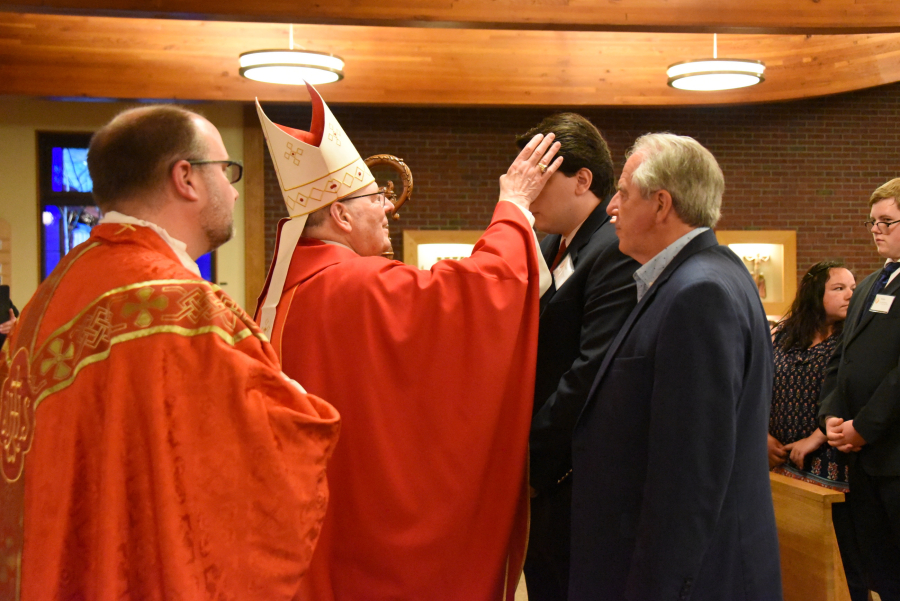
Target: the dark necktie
pixel 880 283
pixel 559 255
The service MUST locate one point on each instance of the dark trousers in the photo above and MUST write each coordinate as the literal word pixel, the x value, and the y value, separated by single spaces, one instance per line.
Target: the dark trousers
pixel 849 548
pixel 875 510
pixel 547 561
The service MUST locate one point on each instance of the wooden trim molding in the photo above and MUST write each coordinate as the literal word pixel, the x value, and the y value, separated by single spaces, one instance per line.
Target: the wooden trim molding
pixel 70 57
pixel 254 208
pixel 759 16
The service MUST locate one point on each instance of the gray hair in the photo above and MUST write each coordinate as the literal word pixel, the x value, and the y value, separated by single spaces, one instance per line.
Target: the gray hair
pixel 686 170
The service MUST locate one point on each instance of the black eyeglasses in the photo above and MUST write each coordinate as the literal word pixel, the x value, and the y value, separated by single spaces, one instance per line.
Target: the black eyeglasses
pixel 380 192
pixel 233 169
pixel 882 225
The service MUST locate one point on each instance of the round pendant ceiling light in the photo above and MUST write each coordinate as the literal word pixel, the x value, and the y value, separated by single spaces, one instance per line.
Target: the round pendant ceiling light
pixel 715 73
pixel 292 67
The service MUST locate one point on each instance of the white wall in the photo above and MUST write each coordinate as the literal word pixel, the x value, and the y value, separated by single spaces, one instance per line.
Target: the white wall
pixel 21 118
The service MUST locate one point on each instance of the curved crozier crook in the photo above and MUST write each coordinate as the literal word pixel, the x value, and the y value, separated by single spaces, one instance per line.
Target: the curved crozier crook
pixel 406 178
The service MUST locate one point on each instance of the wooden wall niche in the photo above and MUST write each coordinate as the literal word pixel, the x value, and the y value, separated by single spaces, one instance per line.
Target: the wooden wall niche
pixel 771 258
pixel 424 248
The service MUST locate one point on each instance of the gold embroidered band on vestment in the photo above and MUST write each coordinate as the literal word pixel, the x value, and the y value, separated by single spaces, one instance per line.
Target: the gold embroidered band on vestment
pixel 180 307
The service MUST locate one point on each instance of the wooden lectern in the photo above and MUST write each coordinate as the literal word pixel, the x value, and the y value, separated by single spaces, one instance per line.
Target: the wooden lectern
pixel 811 568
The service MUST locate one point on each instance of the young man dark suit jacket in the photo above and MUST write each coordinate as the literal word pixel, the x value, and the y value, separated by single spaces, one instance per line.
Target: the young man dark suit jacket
pixel 671 495
pixel 862 383
pixel 578 323
pixel 863 379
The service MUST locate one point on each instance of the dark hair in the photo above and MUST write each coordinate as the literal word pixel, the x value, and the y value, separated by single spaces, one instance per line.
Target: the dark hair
pixel 581 146
pixel 134 151
pixel 806 317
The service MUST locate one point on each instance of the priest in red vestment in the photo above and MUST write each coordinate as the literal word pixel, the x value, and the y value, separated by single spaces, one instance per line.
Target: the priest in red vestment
pixel 152 449
pixel 432 371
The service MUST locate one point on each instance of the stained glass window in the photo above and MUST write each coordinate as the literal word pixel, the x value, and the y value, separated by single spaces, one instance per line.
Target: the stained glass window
pixel 69 170
pixel 68 212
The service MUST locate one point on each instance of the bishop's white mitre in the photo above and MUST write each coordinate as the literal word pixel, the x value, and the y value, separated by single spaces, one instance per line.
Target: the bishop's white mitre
pixel 314 168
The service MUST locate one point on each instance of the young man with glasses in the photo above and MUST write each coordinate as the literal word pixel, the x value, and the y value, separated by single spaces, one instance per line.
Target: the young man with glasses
pixel 860 408
pixel 152 447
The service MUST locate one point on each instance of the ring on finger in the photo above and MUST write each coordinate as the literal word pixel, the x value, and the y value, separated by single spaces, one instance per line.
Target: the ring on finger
pixel 542 167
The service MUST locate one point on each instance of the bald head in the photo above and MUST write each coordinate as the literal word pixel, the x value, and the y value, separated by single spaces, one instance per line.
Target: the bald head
pixel 131 155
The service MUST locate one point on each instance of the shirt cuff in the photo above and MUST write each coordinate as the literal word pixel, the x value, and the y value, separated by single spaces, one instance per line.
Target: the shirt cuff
pixel 545 278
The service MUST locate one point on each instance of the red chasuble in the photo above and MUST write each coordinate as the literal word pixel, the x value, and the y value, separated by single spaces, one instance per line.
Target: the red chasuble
pixel 152 449
pixel 433 373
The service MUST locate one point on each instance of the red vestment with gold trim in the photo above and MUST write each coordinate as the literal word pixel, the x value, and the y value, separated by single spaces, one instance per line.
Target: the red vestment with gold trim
pixel 433 373
pixel 151 444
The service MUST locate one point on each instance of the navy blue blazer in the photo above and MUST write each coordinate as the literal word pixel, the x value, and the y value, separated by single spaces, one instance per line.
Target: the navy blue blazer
pixel 671 495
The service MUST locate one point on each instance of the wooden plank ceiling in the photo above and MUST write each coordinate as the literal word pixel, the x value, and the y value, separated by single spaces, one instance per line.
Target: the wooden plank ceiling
pixel 747 16
pixel 536 53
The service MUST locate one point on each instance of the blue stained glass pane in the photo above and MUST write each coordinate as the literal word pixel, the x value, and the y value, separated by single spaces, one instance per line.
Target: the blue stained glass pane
pixel 52 248
pixel 56 169
pixel 205 264
pixel 64 228
pixel 80 233
pixel 69 171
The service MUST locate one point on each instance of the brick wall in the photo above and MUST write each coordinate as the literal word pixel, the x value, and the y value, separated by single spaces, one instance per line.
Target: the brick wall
pixel 809 165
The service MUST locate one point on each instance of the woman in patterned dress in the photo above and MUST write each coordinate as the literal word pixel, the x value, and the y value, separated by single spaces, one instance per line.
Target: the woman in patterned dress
pixel 804 341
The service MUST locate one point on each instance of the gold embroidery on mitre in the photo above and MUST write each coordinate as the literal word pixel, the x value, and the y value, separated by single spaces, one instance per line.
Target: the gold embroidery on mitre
pixel 334 134
pixel 293 154
pixel 16 418
pixel 356 165
pixel 326 189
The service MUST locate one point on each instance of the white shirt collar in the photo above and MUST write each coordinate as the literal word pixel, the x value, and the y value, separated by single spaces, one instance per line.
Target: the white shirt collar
pixel 177 246
pixel 571 235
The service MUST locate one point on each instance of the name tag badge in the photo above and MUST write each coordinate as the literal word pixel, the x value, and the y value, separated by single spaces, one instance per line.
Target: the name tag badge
pixel 882 303
pixel 563 271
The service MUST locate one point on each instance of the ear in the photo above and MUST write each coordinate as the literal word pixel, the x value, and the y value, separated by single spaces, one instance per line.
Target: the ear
pixel 664 207
pixel 342 218
pixel 583 180
pixel 183 178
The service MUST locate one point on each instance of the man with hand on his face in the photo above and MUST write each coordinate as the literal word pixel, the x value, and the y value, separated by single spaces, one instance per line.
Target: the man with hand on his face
pixel 592 295
pixel 860 407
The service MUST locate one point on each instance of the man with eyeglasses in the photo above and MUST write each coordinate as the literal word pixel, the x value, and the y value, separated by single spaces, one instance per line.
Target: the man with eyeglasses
pixel 860 407
pixel 151 446
pixel 432 371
